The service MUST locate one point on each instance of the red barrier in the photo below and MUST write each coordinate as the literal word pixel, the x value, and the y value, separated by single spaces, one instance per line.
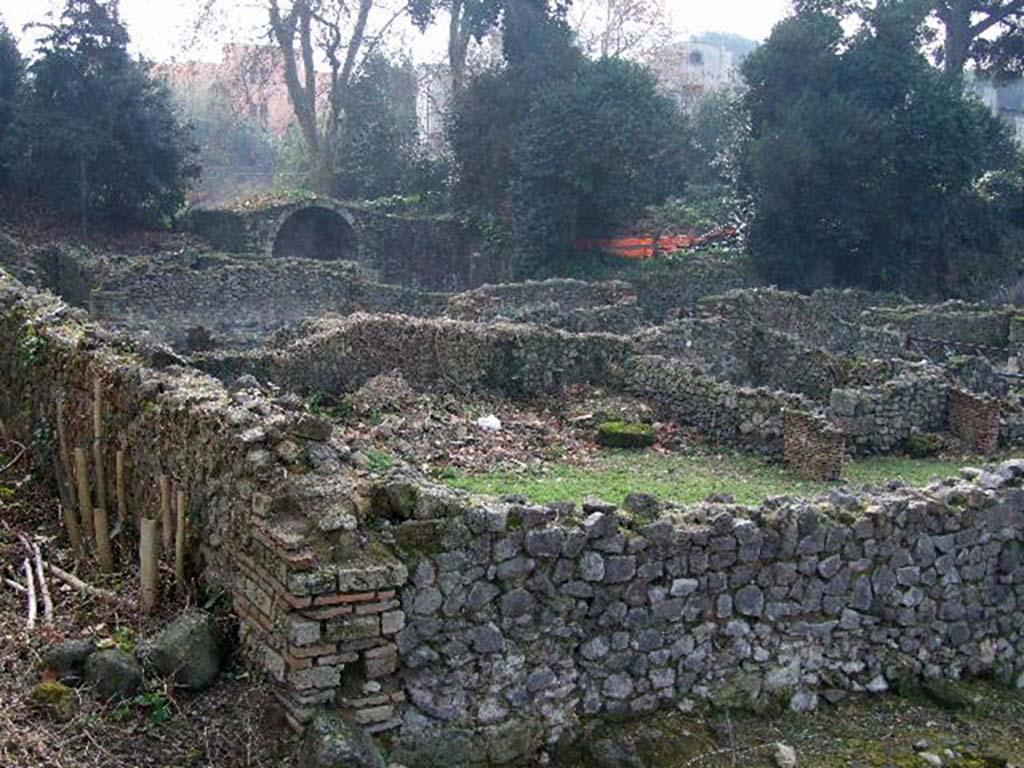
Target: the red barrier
pixel 642 247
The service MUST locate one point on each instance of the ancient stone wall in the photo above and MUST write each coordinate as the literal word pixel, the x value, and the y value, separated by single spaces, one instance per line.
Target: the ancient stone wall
pixel 879 419
pixel 953 328
pixel 523 621
pixel 432 253
pixel 241 302
pixel 255 475
pixel 722 413
pixel 572 305
pixel 337 355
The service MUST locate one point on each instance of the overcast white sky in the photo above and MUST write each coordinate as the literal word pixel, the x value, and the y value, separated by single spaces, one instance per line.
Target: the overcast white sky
pixel 161 29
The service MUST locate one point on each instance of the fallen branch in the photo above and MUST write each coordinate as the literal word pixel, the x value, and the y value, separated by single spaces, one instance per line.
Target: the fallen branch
pixel 77 583
pixel 16 459
pixel 44 588
pixel 20 588
pixel 32 606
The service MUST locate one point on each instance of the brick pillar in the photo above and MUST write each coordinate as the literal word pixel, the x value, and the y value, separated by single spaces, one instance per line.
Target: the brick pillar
pixel 813 447
pixel 975 420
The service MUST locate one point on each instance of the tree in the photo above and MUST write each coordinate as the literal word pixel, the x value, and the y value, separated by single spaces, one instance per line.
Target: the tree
pixel 467 20
pixel 989 32
pixel 862 157
pixel 340 33
pixel 12 77
pixel 562 145
pixel 592 153
pixel 95 133
pixel 632 29
pixel 381 140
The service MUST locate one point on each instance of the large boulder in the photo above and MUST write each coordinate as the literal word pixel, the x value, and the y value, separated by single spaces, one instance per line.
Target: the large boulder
pixel 189 651
pixel 333 742
pixel 65 661
pixel 113 674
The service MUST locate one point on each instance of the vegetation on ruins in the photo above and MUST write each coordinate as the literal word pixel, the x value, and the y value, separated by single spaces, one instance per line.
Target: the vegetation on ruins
pixel 94 133
pixel 865 165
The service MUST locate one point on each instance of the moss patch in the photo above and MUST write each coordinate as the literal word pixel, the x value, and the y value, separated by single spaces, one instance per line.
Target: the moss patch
pixel 621 434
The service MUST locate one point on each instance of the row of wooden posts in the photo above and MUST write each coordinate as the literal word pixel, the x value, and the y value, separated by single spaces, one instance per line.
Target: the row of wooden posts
pixel 88 524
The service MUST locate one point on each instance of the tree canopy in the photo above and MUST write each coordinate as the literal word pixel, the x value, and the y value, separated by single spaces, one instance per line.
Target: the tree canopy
pixel 95 133
pixel 863 158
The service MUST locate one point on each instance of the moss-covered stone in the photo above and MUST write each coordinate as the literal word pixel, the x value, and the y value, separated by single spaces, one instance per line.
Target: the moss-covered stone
pixel 922 446
pixel 621 434
pixel 55 699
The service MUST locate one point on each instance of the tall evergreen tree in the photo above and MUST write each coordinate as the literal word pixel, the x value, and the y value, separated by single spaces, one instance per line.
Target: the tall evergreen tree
pixel 95 133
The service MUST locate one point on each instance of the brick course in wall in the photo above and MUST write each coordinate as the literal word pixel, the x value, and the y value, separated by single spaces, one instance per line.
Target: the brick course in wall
pixel 813 447
pixel 975 419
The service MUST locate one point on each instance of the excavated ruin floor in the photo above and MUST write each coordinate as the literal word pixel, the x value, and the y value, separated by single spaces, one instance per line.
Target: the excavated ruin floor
pixel 547 451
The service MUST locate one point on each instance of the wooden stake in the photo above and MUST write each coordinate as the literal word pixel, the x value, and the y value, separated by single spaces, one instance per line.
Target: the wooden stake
pixel 44 588
pixel 122 493
pixel 148 560
pixel 32 606
pixel 166 515
pixel 84 495
pixel 74 532
pixel 106 557
pixel 179 541
pixel 97 443
pixel 64 465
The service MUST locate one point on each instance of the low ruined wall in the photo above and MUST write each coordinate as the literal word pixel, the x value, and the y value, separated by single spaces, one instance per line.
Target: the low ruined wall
pixel 951 328
pixel 878 419
pixel 241 302
pixel 827 319
pixel 975 419
pixel 337 355
pixel 523 621
pixel 670 290
pixel 269 500
pixel 722 413
pixel 813 447
pixel 571 305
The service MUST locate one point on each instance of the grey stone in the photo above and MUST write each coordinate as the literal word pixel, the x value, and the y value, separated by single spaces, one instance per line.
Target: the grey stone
pixel 750 601
pixel 488 639
pixel 113 674
pixel 189 651
pixel 331 741
pixel 592 567
pixel 65 661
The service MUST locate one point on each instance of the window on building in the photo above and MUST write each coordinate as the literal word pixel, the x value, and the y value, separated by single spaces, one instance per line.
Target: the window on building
pixel 696 59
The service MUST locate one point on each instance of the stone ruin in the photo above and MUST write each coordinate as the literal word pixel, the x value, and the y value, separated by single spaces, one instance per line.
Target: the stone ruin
pixel 463 630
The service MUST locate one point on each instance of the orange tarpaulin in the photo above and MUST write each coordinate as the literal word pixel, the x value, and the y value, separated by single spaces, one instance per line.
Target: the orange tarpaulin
pixel 640 247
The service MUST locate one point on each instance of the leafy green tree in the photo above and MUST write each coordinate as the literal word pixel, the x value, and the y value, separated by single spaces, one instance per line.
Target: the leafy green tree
pixel 380 138
pixel 96 133
pixel 12 77
pixel 593 152
pixel 863 158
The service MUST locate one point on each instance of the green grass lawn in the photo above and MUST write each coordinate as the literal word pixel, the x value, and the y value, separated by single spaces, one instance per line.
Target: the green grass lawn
pixel 690 478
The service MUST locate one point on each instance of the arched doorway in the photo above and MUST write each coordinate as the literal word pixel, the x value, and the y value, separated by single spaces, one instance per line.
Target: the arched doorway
pixel 316 233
